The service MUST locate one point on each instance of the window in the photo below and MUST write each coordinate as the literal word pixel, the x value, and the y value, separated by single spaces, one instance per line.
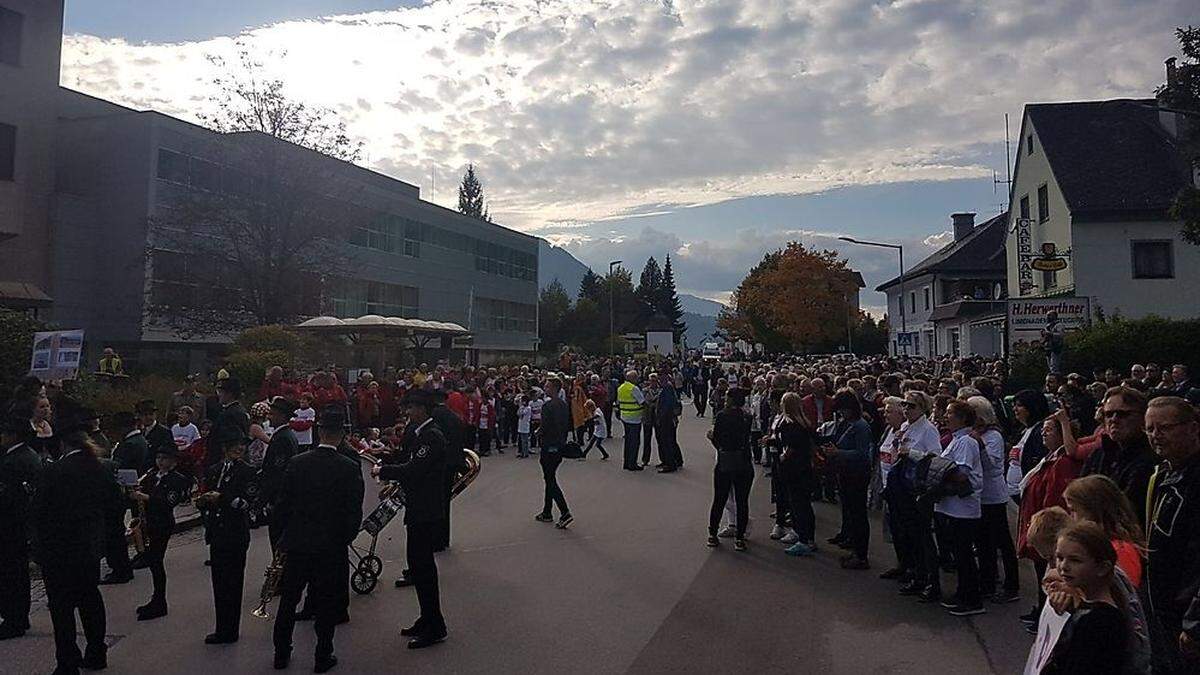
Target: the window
pixel 1152 259
pixel 912 302
pixel 1025 207
pixel 8 152
pixel 1043 204
pixel 1029 144
pixel 10 36
pixel 926 298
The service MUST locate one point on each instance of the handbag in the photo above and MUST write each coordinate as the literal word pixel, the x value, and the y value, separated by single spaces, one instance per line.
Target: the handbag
pixel 571 450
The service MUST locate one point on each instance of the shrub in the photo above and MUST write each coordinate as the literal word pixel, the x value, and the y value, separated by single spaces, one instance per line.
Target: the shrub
pixel 1119 343
pixel 16 343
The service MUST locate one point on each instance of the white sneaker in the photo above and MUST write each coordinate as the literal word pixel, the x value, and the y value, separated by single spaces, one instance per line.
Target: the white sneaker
pixel 790 538
pixel 777 532
pixel 727 531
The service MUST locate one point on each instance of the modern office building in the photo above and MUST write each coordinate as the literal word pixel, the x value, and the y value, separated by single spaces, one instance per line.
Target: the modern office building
pixel 30 48
pixel 121 171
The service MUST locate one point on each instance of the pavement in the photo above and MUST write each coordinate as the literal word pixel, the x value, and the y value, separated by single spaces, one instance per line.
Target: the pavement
pixel 629 588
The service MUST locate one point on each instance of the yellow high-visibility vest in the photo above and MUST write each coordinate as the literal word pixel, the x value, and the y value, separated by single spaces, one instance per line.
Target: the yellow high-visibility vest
pixel 630 409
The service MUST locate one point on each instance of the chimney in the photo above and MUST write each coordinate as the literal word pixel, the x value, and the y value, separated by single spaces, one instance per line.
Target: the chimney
pixel 1172 77
pixel 964 223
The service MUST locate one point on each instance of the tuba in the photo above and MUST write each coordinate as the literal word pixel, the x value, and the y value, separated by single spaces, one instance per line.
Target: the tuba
pixel 467 474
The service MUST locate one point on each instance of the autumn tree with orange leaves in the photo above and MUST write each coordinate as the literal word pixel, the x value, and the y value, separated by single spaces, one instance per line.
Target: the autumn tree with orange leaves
pixel 793 300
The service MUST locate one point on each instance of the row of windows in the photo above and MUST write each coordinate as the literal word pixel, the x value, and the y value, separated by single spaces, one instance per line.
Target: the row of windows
pixel 503 315
pixel 10 36
pixel 388 233
pixel 1043 203
pixel 355 297
pixel 394 234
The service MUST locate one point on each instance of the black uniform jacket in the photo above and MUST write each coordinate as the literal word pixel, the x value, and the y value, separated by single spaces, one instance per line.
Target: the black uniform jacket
pixel 157 438
pixel 422 474
pixel 166 492
pixel 320 501
pixel 280 450
pixel 20 470
pixel 69 510
pixel 452 430
pixel 131 453
pixel 232 416
pixel 227 520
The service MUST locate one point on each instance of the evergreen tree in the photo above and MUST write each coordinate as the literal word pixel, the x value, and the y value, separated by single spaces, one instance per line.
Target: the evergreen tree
pixel 649 289
pixel 669 303
pixel 554 310
pixel 591 287
pixel 470 196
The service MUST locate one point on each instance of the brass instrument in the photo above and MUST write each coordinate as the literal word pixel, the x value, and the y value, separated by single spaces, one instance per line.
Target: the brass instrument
pixel 135 532
pixel 270 587
pixel 469 474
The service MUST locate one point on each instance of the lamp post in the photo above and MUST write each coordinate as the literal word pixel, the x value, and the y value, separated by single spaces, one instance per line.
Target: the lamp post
pixel 611 327
pixel 900 249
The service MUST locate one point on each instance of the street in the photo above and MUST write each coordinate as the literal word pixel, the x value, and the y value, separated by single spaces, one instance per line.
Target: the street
pixel 630 587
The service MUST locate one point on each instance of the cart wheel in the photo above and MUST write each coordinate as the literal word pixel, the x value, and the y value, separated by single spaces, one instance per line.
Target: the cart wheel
pixel 363 582
pixel 371 564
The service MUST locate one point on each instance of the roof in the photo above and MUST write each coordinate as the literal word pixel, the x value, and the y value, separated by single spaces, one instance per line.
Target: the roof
pixel 976 252
pixel 379 324
pixel 967 309
pixel 20 294
pixel 1111 159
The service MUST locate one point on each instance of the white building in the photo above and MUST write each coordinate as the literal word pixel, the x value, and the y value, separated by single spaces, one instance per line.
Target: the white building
pixel 951 303
pixel 1091 191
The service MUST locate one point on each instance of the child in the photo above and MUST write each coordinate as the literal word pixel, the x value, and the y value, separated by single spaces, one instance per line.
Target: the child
pixel 486 424
pixel 599 431
pixel 524 417
pixel 303 420
pixel 1097 499
pixel 158 493
pixel 535 408
pixel 184 431
pixel 227 532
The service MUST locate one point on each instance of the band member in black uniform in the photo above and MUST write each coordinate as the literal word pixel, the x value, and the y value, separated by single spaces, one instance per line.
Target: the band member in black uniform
pixel 131 451
pixel 456 461
pixel 421 473
pixel 116 545
pixel 232 415
pixel 160 491
pixel 20 470
pixel 157 436
pixel 226 511
pixel 319 510
pixel 68 524
pixel 282 448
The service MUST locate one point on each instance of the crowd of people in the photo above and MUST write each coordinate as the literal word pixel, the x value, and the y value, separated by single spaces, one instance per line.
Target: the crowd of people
pixel 1099 472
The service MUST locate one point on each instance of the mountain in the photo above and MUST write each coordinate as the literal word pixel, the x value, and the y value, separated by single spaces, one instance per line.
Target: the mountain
pixel 698 326
pixel 557 263
pixel 700 306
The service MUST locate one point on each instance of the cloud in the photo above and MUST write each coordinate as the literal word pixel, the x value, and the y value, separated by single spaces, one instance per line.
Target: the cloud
pixel 579 110
pixel 936 241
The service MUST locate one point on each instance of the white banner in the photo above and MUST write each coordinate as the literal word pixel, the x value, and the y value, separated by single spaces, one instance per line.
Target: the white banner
pixel 1027 317
pixel 56 354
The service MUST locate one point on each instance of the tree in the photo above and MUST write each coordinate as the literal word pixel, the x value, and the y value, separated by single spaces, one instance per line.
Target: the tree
pixel 470 196
pixel 788 299
pixel 554 308
pixel 668 301
pixel 1183 93
pixel 16 342
pixel 591 287
pixel 255 227
pixel 649 287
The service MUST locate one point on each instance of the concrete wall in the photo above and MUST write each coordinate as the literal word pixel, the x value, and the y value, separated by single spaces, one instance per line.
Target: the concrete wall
pixel 1104 270
pixel 27 101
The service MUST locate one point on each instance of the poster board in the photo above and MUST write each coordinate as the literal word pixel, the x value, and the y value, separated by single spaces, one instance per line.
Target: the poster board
pixel 56 354
pixel 661 343
pixel 1027 317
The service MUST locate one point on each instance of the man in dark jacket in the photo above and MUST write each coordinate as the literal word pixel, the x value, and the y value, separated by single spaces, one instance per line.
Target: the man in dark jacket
pixel 20 470
pixel 1173 533
pixel 68 516
pixel 226 509
pixel 157 436
pixel 282 448
pixel 1125 455
pixel 422 474
pixel 452 430
pixel 131 449
pixel 556 423
pixel 230 420
pixel 666 418
pixel 319 511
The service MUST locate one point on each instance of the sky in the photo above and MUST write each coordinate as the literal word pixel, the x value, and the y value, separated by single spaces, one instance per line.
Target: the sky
pixel 709 130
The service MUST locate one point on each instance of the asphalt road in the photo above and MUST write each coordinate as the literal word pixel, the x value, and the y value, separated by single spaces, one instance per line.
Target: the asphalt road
pixel 630 587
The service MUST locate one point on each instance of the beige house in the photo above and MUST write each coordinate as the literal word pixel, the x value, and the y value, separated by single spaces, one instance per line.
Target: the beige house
pixel 1088 213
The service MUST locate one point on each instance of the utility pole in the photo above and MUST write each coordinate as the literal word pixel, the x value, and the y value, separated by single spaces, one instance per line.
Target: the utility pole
pixel 612 337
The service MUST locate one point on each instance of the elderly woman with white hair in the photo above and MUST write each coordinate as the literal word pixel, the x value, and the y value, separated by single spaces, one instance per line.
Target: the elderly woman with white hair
pixel 993 532
pixel 889 451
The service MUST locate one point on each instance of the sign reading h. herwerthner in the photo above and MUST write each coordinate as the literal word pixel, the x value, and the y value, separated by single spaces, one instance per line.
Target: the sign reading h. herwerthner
pixel 1027 317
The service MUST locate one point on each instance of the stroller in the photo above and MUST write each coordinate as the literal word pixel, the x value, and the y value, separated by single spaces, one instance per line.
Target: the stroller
pixel 369 565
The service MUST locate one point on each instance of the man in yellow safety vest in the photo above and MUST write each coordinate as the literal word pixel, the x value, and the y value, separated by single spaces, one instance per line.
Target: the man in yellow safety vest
pixel 630 403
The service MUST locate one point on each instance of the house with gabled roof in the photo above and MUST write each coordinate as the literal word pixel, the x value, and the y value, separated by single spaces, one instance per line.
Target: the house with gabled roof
pixel 1089 208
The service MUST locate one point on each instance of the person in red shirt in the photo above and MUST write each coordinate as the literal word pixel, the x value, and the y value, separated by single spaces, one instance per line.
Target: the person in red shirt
pixel 456 401
pixel 274 385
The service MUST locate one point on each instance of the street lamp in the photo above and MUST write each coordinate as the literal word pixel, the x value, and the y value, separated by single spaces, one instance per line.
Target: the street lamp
pixel 898 247
pixel 612 337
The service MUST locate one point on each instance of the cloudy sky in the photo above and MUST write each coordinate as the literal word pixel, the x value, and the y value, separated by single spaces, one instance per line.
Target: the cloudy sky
pixel 712 130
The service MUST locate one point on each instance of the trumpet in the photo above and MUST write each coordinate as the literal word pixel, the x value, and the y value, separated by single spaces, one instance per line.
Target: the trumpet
pixel 270 587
